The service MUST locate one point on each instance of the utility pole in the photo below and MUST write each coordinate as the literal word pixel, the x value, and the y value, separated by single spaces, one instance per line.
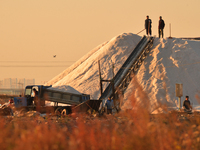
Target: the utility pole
pixel 110 81
pixel 179 93
pixel 170 31
pixel 101 89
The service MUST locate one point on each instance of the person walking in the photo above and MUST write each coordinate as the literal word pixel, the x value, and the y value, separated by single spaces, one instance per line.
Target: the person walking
pixel 186 104
pixel 148 25
pixel 109 105
pixel 161 25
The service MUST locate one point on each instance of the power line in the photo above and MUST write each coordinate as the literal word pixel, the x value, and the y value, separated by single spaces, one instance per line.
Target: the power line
pixel 22 66
pixel 34 64
pixel 37 61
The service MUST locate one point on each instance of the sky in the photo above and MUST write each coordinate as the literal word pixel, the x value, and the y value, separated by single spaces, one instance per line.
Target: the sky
pixel 33 31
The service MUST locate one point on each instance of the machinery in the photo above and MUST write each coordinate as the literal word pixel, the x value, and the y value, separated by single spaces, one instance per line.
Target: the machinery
pixel 38 100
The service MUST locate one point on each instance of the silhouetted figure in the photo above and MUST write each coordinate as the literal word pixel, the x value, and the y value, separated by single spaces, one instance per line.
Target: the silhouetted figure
pixel 109 105
pixel 186 104
pixel 148 25
pixel 161 25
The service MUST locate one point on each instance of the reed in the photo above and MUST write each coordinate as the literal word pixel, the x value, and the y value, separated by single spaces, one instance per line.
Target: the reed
pixel 127 130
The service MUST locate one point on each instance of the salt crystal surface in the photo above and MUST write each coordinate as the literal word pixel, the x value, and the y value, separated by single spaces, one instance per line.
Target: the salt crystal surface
pixel 65 88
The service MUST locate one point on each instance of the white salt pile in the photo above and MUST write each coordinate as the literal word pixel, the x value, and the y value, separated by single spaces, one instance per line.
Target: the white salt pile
pixel 84 75
pixel 65 88
pixel 170 61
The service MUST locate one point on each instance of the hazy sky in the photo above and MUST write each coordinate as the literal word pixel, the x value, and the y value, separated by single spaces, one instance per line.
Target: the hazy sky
pixel 32 31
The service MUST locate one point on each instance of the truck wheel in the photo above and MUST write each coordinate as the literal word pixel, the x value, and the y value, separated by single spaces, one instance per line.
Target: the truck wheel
pixel 64 112
pixel 58 111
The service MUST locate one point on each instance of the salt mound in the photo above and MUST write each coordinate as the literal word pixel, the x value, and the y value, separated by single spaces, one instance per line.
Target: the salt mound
pixel 170 61
pixel 84 74
pixel 65 88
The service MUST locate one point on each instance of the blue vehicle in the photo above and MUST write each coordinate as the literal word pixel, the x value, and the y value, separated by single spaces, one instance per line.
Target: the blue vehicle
pixel 29 96
pixel 35 97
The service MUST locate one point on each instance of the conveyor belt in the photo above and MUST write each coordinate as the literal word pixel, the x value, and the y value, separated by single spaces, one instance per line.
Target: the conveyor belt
pixel 131 64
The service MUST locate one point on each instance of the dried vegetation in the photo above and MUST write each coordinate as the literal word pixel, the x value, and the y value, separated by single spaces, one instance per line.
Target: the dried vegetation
pixel 127 130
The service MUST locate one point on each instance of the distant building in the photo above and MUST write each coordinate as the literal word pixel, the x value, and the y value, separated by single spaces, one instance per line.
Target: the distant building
pixel 7 83
pixel 14 83
pixel 22 83
pixel 30 82
pixel 1 83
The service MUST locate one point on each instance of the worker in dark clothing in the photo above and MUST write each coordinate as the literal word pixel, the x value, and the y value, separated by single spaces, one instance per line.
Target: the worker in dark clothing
pixel 148 26
pixel 109 105
pixel 36 100
pixel 35 92
pixel 186 104
pixel 161 25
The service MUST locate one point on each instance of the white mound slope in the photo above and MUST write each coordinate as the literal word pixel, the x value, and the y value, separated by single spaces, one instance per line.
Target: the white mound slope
pixel 65 88
pixel 170 61
pixel 84 75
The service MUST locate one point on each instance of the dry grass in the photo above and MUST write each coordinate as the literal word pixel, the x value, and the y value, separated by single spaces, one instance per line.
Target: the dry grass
pixel 128 130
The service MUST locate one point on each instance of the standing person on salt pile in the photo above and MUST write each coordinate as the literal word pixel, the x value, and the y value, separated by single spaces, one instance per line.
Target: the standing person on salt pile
pixel 186 104
pixel 161 25
pixel 109 104
pixel 148 25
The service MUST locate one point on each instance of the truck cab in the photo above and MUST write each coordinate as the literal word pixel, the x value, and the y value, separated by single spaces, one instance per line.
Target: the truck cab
pixel 28 99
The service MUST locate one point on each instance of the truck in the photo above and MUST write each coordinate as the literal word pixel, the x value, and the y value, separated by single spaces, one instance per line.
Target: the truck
pixel 61 99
